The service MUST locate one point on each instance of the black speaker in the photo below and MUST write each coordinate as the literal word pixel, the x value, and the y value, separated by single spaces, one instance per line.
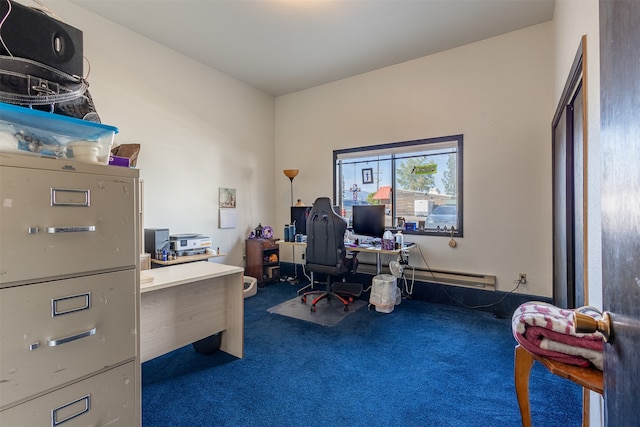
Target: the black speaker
pixel 29 33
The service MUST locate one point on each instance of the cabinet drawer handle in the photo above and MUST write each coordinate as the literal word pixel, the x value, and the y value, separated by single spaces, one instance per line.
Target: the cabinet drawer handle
pixel 83 197
pixel 86 400
pixel 53 343
pixel 54 230
pixel 83 302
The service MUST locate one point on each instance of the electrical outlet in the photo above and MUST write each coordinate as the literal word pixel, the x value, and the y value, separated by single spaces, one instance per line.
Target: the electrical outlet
pixel 522 278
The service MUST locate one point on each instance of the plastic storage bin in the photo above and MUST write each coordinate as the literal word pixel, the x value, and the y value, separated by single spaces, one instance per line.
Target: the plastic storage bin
pixel 384 292
pixel 35 132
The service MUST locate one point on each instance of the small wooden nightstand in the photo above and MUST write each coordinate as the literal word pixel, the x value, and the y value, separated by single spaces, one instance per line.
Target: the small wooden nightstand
pixel 262 260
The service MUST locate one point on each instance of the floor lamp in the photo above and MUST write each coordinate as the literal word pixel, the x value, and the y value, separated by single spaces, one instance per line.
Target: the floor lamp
pixel 292 173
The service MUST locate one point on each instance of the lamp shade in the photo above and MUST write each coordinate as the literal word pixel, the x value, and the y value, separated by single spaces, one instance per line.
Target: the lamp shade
pixel 291 173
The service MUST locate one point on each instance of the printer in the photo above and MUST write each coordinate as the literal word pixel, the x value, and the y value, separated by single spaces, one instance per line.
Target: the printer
pixel 189 244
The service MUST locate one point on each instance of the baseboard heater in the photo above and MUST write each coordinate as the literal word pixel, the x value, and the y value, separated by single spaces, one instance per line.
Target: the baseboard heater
pixel 453 278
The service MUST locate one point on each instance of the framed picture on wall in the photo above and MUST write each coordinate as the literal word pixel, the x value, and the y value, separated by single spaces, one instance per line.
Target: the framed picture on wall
pixel 367 176
pixel 227 197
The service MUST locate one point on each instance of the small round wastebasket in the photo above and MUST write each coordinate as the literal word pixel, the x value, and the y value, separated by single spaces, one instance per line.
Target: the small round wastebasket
pixel 384 290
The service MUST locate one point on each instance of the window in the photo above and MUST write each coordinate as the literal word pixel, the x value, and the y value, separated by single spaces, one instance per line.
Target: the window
pixel 419 182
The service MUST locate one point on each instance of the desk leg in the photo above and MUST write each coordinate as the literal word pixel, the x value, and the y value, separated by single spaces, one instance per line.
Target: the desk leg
pixel 232 340
pixel 294 280
pixel 522 368
pixel 309 286
pixel 378 264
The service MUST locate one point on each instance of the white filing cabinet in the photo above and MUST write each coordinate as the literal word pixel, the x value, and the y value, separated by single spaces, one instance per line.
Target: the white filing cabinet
pixel 69 294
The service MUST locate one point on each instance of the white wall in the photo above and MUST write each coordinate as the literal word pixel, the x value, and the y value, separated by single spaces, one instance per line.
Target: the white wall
pixel 199 130
pixel 573 19
pixel 498 93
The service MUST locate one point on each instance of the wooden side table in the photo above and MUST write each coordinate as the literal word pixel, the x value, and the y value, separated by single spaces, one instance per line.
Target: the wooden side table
pixel 262 260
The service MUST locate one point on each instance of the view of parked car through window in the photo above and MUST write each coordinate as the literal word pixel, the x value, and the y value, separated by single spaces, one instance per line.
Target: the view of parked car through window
pixel 443 216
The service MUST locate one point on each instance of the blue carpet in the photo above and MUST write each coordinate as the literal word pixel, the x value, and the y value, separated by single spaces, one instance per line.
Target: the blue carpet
pixel 423 364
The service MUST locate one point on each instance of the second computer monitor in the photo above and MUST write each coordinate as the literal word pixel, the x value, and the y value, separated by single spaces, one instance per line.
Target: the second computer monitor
pixel 368 220
pixel 299 215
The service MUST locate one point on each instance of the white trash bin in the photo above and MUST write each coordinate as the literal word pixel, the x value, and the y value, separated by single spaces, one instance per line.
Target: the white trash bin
pixel 384 292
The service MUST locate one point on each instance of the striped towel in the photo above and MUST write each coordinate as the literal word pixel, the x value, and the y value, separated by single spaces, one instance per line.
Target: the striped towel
pixel 549 331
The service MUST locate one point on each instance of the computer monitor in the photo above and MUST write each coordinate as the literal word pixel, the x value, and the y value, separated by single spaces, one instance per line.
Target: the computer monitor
pixel 368 220
pixel 299 215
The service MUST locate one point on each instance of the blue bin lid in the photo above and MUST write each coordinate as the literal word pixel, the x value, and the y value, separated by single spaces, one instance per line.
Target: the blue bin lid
pixel 55 123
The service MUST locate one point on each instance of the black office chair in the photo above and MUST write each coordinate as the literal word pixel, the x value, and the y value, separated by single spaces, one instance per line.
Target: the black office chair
pixel 326 254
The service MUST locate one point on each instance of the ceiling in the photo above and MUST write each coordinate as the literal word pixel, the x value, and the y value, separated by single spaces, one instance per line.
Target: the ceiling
pixel 283 46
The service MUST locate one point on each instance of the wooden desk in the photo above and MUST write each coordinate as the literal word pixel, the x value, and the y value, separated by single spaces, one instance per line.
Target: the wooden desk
pixel 185 259
pixel 181 304
pixel 370 249
pixel 376 250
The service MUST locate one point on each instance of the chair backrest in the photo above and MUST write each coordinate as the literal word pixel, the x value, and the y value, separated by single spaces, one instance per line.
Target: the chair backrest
pixel 325 235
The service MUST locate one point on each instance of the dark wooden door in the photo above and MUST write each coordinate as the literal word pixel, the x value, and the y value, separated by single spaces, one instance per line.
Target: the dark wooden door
pixel 620 137
pixel 578 219
pixel 569 283
pixel 562 207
